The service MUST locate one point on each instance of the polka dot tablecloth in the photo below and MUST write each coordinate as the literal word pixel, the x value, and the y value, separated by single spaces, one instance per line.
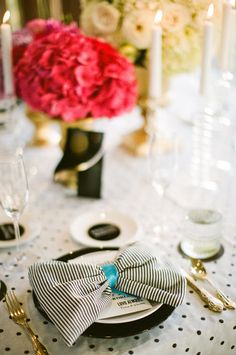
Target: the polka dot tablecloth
pixel 192 328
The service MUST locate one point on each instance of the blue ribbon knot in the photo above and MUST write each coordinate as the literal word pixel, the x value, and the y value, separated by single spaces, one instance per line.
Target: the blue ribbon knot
pixel 111 274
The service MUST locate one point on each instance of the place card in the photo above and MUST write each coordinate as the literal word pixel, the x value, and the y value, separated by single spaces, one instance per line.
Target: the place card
pixel 123 304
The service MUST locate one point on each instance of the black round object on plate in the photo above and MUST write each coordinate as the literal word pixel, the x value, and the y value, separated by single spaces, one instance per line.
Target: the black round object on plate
pixel 104 231
pixel 114 330
pixel 7 231
pixel 3 290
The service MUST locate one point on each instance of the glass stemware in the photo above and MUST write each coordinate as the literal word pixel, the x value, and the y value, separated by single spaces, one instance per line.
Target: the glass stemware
pixel 13 196
pixel 162 164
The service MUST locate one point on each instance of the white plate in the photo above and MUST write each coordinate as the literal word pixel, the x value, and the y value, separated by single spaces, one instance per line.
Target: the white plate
pixel 128 228
pixel 31 230
pixel 106 256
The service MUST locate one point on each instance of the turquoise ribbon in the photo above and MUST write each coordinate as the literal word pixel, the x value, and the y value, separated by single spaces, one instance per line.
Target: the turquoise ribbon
pixel 111 274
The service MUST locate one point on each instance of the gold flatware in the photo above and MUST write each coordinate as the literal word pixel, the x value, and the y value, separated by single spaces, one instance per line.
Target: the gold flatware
pixel 199 271
pixel 19 316
pixel 213 303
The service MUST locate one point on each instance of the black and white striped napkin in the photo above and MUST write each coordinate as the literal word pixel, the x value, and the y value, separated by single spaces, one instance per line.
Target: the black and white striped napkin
pixel 73 295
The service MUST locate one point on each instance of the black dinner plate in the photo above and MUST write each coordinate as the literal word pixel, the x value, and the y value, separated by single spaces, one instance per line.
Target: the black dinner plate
pixel 114 330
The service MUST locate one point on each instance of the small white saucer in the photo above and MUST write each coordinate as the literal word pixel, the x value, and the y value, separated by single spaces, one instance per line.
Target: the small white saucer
pixel 31 230
pixel 128 228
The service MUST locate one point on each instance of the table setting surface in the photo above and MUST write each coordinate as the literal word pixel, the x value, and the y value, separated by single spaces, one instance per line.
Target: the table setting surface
pixel 191 328
pixel 117 177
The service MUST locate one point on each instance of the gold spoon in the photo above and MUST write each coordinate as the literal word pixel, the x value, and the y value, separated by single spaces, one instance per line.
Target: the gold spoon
pixel 199 271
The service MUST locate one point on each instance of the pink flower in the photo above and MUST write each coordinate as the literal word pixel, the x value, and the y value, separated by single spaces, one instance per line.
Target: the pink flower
pixel 34 29
pixel 40 27
pixel 70 76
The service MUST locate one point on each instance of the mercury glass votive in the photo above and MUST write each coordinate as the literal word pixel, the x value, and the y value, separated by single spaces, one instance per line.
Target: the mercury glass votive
pixel 202 233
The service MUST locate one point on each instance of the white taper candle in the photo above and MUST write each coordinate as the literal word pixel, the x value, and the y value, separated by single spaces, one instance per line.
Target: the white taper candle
pixel 207 53
pixel 155 63
pixel 232 51
pixel 225 38
pixel 6 42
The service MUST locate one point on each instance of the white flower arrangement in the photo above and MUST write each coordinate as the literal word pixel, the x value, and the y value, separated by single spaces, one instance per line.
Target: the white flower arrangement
pixel 127 24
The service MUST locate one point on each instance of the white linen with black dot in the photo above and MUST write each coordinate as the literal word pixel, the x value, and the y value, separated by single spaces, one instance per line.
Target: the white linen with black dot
pixel 191 328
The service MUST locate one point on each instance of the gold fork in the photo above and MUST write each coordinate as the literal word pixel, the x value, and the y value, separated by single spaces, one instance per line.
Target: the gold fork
pixel 19 316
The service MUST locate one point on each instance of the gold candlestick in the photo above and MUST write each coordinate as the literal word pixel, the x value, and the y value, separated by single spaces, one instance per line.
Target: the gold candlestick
pixel 137 142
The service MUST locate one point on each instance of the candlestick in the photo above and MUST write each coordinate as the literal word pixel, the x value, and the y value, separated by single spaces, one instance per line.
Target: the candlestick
pixel 6 41
pixel 207 53
pixel 225 39
pixel 155 64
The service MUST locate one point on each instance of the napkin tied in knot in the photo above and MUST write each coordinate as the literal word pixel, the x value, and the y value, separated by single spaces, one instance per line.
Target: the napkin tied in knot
pixel 111 273
pixel 74 295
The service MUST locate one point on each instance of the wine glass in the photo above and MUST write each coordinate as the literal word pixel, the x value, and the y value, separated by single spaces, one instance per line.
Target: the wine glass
pixel 162 165
pixel 14 196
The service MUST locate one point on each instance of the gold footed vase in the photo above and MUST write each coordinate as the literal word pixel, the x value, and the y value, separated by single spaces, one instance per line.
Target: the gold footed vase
pixel 45 132
pixel 53 131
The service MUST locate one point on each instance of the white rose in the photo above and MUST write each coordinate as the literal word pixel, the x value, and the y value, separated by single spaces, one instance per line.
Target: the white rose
pixel 203 4
pixel 196 5
pixel 181 53
pixel 200 4
pixel 100 19
pixel 137 28
pixel 175 17
pixel 192 3
pixel 130 5
pixel 199 19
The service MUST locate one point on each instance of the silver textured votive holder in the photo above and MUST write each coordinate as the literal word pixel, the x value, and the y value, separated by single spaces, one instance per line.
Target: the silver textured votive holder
pixel 202 233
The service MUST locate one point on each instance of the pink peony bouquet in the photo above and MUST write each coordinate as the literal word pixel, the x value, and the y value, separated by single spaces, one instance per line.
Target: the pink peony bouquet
pixel 70 76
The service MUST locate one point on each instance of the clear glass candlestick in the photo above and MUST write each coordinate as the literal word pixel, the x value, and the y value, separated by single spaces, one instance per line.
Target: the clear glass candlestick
pixel 225 90
pixel 162 163
pixel 7 122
